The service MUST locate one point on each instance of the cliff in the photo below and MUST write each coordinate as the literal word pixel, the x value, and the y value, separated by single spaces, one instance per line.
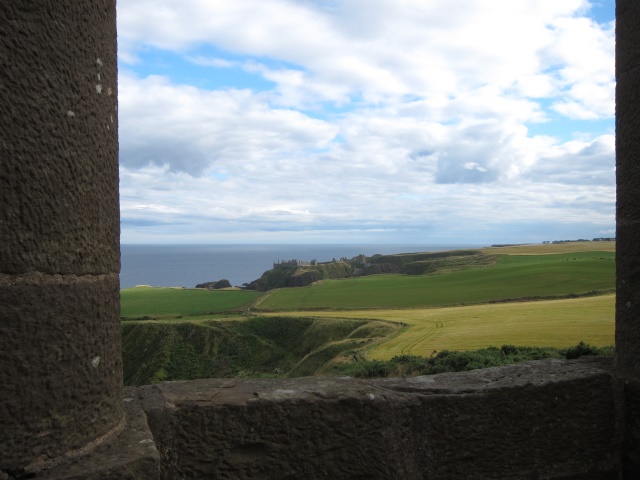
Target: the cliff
pixel 300 276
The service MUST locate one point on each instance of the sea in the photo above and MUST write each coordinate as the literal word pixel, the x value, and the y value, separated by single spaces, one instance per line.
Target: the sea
pixel 188 265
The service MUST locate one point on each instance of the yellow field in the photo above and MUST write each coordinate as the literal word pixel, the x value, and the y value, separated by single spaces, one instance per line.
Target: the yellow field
pixel 551 323
pixel 551 248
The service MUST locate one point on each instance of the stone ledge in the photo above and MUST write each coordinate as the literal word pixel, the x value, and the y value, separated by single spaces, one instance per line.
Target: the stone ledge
pixel 545 420
pixel 551 420
pixel 132 455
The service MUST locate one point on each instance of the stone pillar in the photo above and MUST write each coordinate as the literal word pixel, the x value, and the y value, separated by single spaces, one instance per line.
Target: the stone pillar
pixel 628 181
pixel 60 348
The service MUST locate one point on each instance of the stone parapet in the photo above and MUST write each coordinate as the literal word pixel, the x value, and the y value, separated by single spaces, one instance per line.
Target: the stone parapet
pixel 546 420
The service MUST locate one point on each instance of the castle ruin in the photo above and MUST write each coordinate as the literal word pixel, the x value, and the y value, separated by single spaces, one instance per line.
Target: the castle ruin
pixel 293 263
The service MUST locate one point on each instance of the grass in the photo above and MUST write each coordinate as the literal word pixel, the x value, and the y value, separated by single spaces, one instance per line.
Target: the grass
pixel 166 302
pixel 511 277
pixel 249 347
pixel 549 323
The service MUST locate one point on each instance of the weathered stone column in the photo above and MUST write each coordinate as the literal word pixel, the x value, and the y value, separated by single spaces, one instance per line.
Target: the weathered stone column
pixel 628 180
pixel 60 353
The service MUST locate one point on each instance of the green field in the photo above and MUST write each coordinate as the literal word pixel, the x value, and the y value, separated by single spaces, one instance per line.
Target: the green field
pixel 511 277
pixel 168 302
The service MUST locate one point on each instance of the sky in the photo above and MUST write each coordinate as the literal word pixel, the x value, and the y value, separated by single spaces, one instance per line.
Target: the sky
pixel 366 121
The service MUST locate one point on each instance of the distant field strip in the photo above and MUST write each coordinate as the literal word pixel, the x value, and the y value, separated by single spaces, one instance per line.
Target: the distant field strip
pixel 548 323
pixel 552 248
pixel 511 277
pixel 141 301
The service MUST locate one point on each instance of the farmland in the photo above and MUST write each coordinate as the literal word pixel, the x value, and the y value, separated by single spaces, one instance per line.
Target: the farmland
pixel 551 248
pixel 550 323
pixel 493 306
pixel 511 277
pixel 154 302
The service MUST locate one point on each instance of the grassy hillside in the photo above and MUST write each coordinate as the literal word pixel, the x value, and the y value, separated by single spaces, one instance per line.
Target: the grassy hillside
pixel 165 302
pixel 255 346
pixel 510 277
pixel 551 323
pixel 454 301
pixel 300 276
pixel 402 259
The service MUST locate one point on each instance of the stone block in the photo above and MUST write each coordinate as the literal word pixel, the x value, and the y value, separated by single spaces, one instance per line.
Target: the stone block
pixel 60 366
pixel 627 35
pixel 628 148
pixel 59 148
pixel 628 296
pixel 551 420
pixel 631 416
pixel 132 455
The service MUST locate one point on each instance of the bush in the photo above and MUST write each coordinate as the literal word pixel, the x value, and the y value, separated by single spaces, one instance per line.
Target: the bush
pixel 581 350
pixel 446 361
pixel 365 369
pixel 508 350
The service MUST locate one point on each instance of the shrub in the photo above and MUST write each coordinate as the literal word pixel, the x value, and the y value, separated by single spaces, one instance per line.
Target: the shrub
pixel 581 350
pixel 508 350
pixel 455 361
pixel 365 369
pixel 373 369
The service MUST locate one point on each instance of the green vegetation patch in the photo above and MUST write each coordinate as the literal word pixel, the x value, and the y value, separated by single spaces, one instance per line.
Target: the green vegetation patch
pixel 301 276
pixel 453 361
pixel 256 346
pixel 158 302
pixel 402 259
pixel 509 278
pixel 426 263
pixel 448 264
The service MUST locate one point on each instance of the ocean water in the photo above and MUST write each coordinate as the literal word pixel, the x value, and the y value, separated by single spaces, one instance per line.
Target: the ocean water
pixel 188 265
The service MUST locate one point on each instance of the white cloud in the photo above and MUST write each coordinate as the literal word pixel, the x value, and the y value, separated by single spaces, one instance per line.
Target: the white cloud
pixel 578 162
pixel 190 129
pixel 583 51
pixel 212 62
pixel 386 48
pixel 383 116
